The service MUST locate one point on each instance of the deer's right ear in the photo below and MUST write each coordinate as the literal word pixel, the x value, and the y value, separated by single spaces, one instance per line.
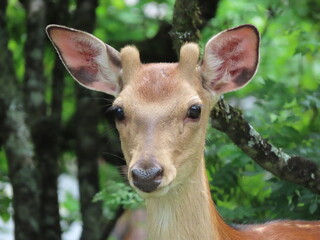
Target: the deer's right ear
pixel 94 64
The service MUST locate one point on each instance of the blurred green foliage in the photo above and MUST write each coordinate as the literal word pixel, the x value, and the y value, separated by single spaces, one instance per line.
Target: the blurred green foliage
pixel 282 103
pixel 116 191
pixel 130 21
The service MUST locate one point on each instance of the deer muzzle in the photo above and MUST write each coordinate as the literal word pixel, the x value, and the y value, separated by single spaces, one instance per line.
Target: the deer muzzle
pixel 147 175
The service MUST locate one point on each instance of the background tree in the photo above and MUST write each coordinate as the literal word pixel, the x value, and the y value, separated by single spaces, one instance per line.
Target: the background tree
pixel 46 121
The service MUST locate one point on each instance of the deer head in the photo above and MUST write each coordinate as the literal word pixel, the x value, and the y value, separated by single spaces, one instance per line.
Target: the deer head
pixel 161 110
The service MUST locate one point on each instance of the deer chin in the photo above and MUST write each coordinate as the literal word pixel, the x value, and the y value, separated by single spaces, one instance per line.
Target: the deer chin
pixel 158 193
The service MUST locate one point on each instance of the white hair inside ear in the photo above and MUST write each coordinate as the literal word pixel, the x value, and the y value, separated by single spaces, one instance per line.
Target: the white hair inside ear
pixel 231 59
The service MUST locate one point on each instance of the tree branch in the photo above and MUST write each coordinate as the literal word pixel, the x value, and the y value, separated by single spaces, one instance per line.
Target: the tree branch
pixel 291 168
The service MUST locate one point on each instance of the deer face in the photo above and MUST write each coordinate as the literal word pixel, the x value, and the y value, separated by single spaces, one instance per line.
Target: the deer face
pixel 162 109
pixel 161 119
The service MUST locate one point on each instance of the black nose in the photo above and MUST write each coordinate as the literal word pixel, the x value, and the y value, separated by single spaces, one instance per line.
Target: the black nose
pixel 147 179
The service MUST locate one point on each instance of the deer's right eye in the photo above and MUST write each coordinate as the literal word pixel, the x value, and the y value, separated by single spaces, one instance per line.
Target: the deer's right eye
pixel 118 113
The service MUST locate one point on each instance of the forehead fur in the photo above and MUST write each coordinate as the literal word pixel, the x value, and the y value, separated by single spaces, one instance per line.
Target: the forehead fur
pixel 154 82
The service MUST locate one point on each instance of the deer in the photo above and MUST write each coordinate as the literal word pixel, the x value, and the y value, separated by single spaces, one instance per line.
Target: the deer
pixel 161 112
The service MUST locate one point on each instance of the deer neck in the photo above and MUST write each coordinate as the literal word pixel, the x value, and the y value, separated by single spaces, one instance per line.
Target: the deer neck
pixel 186 212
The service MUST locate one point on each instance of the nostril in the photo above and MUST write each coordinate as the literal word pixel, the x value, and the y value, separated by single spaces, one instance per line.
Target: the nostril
pixel 146 174
pixel 147 180
pixel 158 174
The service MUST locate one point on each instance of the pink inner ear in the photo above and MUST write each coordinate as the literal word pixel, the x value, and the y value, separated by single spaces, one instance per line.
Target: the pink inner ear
pixel 233 57
pixel 237 51
pixel 76 50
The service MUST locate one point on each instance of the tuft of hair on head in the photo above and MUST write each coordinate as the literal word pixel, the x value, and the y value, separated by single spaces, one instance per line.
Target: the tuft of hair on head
pixel 189 56
pixel 130 60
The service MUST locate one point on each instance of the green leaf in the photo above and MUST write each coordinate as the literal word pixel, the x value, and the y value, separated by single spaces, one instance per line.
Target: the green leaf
pixel 313 207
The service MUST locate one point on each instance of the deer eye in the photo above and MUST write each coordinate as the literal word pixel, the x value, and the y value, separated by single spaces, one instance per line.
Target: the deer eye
pixel 194 112
pixel 117 113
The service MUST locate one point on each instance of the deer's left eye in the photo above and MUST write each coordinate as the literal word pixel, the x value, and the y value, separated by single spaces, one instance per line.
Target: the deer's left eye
pixel 194 112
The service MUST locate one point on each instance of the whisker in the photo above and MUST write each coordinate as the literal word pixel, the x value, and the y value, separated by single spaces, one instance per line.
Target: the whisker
pixel 100 98
pixel 106 133
pixel 124 170
pixel 114 155
pixel 110 109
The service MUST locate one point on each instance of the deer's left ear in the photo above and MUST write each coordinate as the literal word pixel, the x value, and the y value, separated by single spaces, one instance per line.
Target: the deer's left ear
pixel 231 59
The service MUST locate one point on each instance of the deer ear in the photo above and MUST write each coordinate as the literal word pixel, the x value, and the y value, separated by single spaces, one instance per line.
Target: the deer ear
pixel 92 63
pixel 231 59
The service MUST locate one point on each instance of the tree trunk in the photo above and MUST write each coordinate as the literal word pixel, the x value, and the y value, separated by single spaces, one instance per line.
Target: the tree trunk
pixel 185 23
pixel 189 17
pixel 18 146
pixel 87 138
pixel 43 130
